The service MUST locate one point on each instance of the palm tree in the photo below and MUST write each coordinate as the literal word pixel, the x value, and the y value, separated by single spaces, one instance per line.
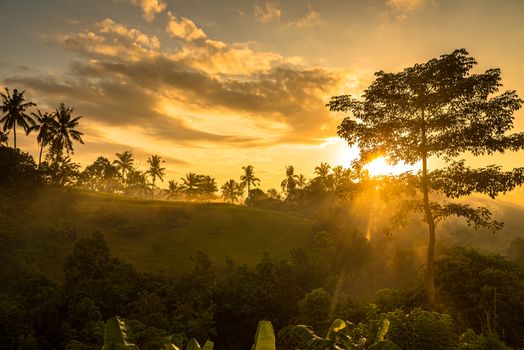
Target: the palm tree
pixel 301 181
pixel 66 132
pixel 46 126
pixel 249 178
pixel 154 168
pixel 290 182
pixel 231 190
pixel 174 189
pixel 191 184
pixel 322 172
pixel 14 108
pixel 207 187
pixel 124 163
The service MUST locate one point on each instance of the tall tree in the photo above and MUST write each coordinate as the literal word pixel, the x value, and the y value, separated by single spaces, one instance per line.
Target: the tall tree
pixel 232 190
pixel 14 107
pixel 155 169
pixel 66 131
pixel 46 125
pixel 249 178
pixel 437 109
pixel 124 162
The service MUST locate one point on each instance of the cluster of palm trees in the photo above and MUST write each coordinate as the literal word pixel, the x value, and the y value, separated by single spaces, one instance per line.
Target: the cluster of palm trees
pixel 56 129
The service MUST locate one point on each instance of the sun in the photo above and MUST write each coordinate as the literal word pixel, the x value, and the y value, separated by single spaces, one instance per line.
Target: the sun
pixel 379 167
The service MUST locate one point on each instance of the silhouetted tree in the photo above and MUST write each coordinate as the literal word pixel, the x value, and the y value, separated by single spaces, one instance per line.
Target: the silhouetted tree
pixel 190 184
pixel 14 107
pixel 207 187
pixel 46 125
pixel 124 162
pixel 289 184
pixel 301 181
pixel 231 191
pixel 437 109
pixel 174 190
pixel 249 178
pixel 101 176
pixel 65 132
pixel 322 172
pixel 155 170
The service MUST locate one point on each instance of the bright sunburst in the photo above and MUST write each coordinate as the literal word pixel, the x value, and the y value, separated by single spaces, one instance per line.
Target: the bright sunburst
pixel 379 166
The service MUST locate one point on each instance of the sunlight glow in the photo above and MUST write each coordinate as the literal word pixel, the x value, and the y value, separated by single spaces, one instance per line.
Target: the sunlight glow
pixel 379 166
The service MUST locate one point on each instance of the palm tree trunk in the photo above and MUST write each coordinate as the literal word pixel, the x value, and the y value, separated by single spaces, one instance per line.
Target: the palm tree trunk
pixel 14 132
pixel 40 155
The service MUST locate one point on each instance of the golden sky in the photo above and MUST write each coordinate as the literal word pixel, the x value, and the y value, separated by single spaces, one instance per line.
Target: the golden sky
pixel 212 86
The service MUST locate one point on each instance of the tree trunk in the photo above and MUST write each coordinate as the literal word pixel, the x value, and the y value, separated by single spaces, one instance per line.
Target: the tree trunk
pixel 14 132
pixel 432 303
pixel 40 155
pixel 432 300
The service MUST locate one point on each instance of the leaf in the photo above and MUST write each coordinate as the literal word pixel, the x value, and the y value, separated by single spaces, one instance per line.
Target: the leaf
pixel 193 345
pixel 383 330
pixel 264 337
pixel 208 345
pixel 311 340
pixel 336 326
pixel 115 337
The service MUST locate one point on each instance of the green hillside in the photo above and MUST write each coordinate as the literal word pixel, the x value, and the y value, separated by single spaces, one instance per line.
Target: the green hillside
pixel 154 236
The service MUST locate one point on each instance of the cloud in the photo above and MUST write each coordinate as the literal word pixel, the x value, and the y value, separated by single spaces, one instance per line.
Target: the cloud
pixel 124 80
pixel 267 11
pixel 184 28
pixel 110 39
pixel 310 19
pixel 217 57
pixel 405 5
pixel 150 8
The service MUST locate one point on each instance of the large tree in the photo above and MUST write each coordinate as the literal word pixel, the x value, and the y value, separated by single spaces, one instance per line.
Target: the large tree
pixel 14 107
pixel 437 109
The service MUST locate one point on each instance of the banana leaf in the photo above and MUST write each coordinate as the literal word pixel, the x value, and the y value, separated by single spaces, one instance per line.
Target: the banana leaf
pixel 193 345
pixel 264 337
pixel 115 337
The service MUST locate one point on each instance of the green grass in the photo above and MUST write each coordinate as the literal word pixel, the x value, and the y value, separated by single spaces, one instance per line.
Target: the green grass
pixel 154 236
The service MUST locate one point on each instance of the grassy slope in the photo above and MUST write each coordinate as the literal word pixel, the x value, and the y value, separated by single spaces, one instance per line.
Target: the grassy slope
pixel 151 235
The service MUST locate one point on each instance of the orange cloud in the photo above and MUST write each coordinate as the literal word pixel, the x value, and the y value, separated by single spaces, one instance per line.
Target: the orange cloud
pixel 184 28
pixel 110 39
pixel 150 8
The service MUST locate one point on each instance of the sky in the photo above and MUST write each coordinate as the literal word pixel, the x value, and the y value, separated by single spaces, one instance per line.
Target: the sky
pixel 212 86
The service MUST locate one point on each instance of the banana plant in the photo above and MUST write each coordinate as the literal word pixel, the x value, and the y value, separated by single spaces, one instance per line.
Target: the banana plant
pixel 115 337
pixel 264 337
pixel 340 337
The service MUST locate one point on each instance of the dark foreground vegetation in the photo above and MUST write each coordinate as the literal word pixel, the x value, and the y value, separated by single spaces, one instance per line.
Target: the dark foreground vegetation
pixel 82 246
pixel 337 274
